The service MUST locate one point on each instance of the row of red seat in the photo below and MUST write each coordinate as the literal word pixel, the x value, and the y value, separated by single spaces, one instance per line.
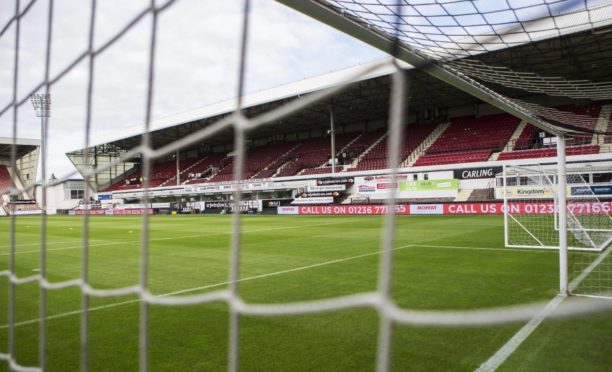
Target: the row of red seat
pixel 324 170
pixel 160 173
pixel 467 139
pixel 313 153
pixel 364 141
pixel 546 153
pixel 527 137
pixel 468 133
pixel 256 160
pixel 376 158
pixel 454 157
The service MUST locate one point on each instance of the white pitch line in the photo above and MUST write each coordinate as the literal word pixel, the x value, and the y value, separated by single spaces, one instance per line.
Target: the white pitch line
pixel 20 245
pixel 194 289
pixel 117 242
pixel 510 347
pixel 260 276
pixel 525 250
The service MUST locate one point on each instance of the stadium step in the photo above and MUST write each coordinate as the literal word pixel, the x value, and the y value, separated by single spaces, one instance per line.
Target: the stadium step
pixel 463 195
pixel 420 150
pixel 187 170
pixel 350 143
pixel 283 166
pixel 602 124
pixel 278 169
pixel 365 152
pixel 17 183
pixel 515 136
pixel 184 171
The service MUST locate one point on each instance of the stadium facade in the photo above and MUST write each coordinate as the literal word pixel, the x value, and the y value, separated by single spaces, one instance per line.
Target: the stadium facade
pixel 17 183
pixel 451 138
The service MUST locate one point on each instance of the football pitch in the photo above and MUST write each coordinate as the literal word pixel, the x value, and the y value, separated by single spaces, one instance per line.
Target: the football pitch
pixel 440 263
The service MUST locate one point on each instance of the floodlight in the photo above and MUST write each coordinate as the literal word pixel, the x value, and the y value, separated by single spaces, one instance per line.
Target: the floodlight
pixel 42 104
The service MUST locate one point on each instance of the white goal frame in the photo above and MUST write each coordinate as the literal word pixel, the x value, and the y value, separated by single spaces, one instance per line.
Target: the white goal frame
pixel 560 206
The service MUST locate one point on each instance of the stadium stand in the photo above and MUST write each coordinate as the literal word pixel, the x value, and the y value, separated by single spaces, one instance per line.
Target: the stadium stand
pixel 26 207
pixel 314 153
pixel 376 157
pixel 203 168
pixel 324 170
pixel 364 141
pixel 161 172
pixel 546 153
pixel 454 157
pixel 184 165
pixel 257 159
pixel 527 138
pixel 468 139
pixel 608 138
pixel 6 182
pixel 591 110
pixel 467 133
pixel 482 195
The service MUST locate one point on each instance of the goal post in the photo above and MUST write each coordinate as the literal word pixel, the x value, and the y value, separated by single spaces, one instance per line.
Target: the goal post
pixel 550 205
pixel 534 216
pixel 529 207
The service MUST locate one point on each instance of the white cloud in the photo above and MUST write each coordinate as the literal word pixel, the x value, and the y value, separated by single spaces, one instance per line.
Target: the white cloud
pixel 196 62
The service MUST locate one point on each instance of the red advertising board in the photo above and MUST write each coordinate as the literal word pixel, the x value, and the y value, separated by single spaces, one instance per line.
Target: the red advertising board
pixel 451 208
pixel 92 212
pixel 110 211
pixel 350 209
pixel 527 208
pixel 131 211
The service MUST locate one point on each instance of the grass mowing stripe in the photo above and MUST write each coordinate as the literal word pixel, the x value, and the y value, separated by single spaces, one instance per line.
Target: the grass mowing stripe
pixel 300 268
pixel 260 276
pixel 510 347
pixel 176 237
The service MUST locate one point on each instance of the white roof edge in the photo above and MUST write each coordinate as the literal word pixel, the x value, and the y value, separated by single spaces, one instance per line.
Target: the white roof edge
pixel 307 85
pixel 598 19
pixel 20 141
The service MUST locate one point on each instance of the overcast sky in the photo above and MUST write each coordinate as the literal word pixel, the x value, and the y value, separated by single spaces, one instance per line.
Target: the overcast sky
pixel 196 64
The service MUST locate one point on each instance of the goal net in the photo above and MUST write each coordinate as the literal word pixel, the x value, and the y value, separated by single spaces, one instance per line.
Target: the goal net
pixel 532 220
pixel 449 42
pixel 590 224
pixel 531 210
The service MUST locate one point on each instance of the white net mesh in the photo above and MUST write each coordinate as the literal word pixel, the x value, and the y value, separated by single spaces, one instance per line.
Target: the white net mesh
pixel 458 38
pixel 534 222
pixel 589 224
pixel 467 42
pixel 533 213
pixel 529 215
pixel 447 30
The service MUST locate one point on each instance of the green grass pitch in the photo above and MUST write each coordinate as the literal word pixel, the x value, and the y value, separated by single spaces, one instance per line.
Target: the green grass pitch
pixel 443 262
